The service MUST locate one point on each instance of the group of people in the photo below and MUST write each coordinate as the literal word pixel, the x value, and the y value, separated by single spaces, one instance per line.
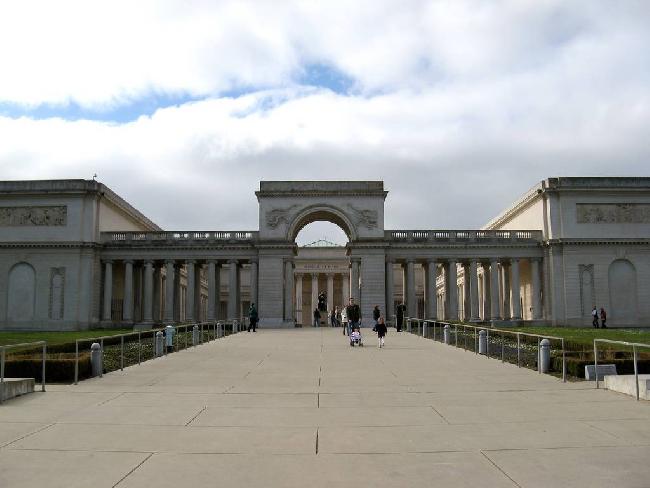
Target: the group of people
pixel 603 318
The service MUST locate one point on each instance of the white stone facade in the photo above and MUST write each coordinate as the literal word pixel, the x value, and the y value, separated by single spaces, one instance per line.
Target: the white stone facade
pixel 75 255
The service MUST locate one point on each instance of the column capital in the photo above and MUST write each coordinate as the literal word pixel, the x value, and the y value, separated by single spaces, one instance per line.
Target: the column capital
pixel 233 261
pixel 431 261
pixel 536 259
pixel 190 261
pixel 107 261
pixel 213 261
pixel 314 276
pixel 410 260
pixel 254 260
pixel 127 261
pixel 148 262
pixel 170 261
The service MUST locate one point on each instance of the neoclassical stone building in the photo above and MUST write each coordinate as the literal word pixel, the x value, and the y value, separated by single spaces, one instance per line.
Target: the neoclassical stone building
pixel 74 255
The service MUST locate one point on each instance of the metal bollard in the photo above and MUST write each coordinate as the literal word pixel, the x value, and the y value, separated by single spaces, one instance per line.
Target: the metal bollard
pixel 446 333
pixel 195 335
pixel 95 359
pixel 482 342
pixel 424 330
pixel 160 346
pixel 544 356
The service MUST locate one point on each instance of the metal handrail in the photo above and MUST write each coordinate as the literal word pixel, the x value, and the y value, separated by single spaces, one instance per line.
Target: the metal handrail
pixel 634 345
pixel 217 326
pixel 3 350
pixel 500 331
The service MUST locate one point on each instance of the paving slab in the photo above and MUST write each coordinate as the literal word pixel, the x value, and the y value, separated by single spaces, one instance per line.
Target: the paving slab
pixel 301 408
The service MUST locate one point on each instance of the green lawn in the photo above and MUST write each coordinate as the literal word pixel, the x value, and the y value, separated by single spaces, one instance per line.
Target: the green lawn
pixel 56 337
pixel 586 335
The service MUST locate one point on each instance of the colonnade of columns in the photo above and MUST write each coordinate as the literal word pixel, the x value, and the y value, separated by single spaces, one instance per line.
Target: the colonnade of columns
pixel 315 291
pixel 498 303
pixel 164 306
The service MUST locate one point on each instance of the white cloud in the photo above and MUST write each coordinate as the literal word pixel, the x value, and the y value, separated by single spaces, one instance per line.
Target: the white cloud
pixel 458 106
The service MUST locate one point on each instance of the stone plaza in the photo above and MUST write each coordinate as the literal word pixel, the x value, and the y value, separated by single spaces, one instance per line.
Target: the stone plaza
pixel 75 255
pixel 299 407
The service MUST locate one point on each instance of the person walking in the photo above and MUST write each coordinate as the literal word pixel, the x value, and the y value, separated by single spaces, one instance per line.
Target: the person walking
pixel 354 314
pixel 376 313
pixel 338 317
pixel 253 318
pixel 333 321
pixel 594 315
pixel 399 319
pixel 381 330
pixel 316 318
pixel 603 318
pixel 344 321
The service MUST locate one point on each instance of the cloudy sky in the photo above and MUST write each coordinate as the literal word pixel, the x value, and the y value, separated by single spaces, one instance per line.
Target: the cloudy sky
pixel 459 106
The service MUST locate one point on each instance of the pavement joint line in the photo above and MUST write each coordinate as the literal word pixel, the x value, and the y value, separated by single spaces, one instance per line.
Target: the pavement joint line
pixel 27 435
pixel 109 400
pixel 499 468
pixel 199 413
pixel 441 415
pixel 134 469
pixel 317 441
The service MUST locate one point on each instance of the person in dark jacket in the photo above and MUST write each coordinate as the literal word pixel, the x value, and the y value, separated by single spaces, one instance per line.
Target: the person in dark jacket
pixel 354 314
pixel 376 313
pixel 381 330
pixel 399 312
pixel 603 318
pixel 253 318
pixel 316 318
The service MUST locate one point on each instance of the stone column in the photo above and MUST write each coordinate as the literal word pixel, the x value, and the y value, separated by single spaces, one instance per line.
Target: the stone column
pixel 487 293
pixel 505 266
pixel 198 316
pixel 467 294
pixel 147 314
pixel 453 290
pixel 354 280
pixel 127 306
pixel 390 290
pixel 212 291
pixel 157 293
pixel 169 291
pixel 330 292
pixel 233 289
pixel 516 292
pixel 473 286
pixel 178 291
pixel 253 284
pixel 430 295
pixel 494 289
pixel 411 299
pixel 537 288
pixel 108 290
pixel 299 316
pixel 191 287
pixel 314 296
pixel 346 288
pixel 288 290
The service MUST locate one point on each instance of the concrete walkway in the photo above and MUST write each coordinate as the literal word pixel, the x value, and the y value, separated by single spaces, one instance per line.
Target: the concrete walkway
pixel 301 408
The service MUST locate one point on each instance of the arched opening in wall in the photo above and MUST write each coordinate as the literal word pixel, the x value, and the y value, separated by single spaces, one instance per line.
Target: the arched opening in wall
pixel 21 294
pixel 622 293
pixel 321 273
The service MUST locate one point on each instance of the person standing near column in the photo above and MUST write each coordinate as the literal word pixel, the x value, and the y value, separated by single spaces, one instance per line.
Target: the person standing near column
pixel 603 318
pixel 594 316
pixel 252 318
pixel 399 316
pixel 344 321
pixel 376 313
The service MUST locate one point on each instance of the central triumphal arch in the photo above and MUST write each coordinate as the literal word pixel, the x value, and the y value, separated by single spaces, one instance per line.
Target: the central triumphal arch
pixel 285 207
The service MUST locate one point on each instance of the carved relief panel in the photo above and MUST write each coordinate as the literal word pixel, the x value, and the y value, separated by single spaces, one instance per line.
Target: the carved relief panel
pixel 33 216
pixel 613 213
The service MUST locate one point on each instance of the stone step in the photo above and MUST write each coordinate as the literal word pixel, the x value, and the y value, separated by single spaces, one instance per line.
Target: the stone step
pixel 625 384
pixel 13 387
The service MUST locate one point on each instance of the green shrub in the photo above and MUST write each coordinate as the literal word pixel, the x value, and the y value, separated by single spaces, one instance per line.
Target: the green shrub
pixel 59 368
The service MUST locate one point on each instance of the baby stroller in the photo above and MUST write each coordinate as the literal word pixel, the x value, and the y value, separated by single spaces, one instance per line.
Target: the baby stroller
pixel 355 338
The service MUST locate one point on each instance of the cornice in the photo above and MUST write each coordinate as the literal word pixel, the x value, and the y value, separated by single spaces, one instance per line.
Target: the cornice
pixel 597 242
pixel 49 245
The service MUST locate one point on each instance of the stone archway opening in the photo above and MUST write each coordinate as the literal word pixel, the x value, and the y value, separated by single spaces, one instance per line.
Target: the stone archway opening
pixel 321 272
